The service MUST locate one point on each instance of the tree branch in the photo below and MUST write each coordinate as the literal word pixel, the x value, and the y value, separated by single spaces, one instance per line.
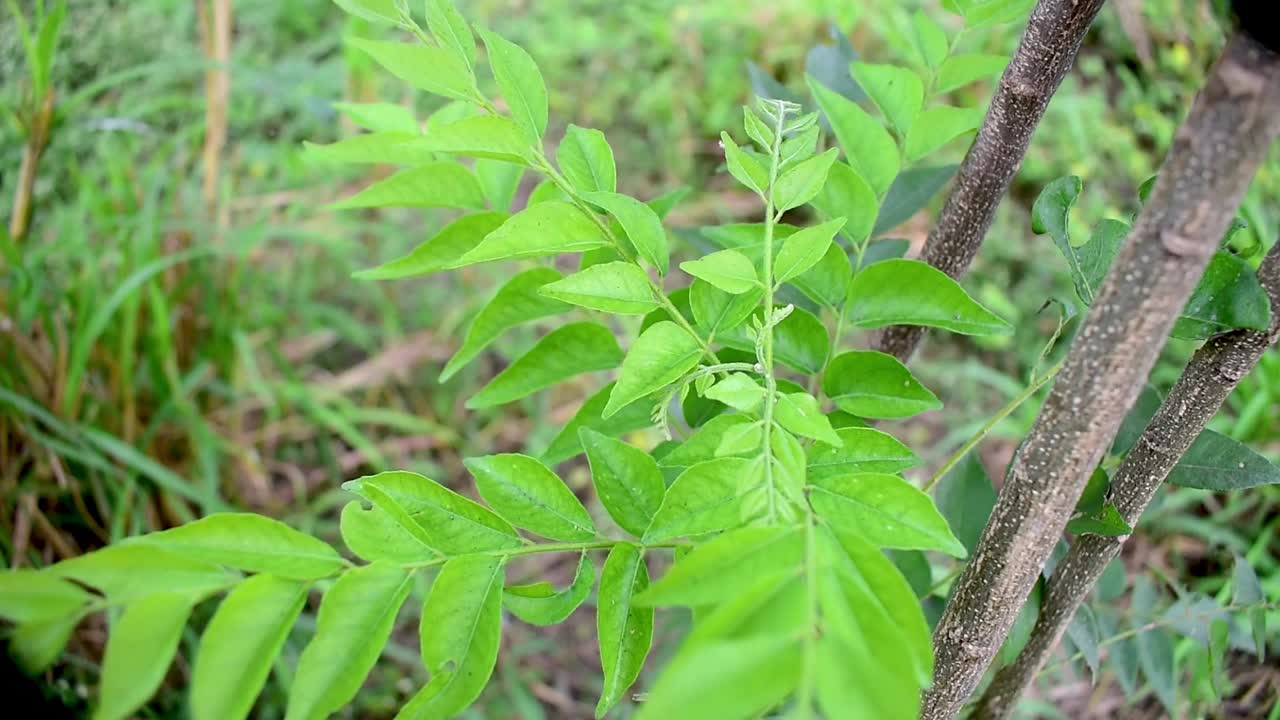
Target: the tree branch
pixel 1044 56
pixel 1204 177
pixel 1214 371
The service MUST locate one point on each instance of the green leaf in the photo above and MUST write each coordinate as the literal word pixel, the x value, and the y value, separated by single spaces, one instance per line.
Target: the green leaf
pixel 625 631
pixel 36 644
pixel 1155 646
pixel 541 604
pixel 617 287
pixel 380 117
pixel 391 148
pixel 442 250
pixel 441 518
pixel 500 181
pixel 938 126
pixel 460 632
pixel 249 542
pixel 798 149
pixel 239 645
pixel 708 497
pixel 869 148
pixel 1217 462
pixel 585 158
pixel 1023 625
pixel 526 493
pixel 827 283
pixel 517 302
pixel 800 341
pixel 703 443
pixel 1107 522
pixel 140 648
pixel 130 571
pixel 439 184
pixel 884 510
pixel 910 192
pixel 931 39
pixel 374 535
pixel 743 167
pixel 375 10
pixel 846 194
pixel 565 352
pixel 483 136
pixel 739 391
pixel 743 440
pixel 898 92
pixel 27 595
pixel 804 249
pixel 1088 263
pixel 591 415
pixel 520 82
pixel 548 228
pixel 801 414
pixel 715 310
pixel 450 29
pixel 983 13
pixel 729 270
pixel 641 224
pixel 1246 591
pixel 660 356
pixel 910 292
pixel 722 567
pixel 1228 296
pixel 435 70
pixel 966 497
pixel 627 480
pixel 875 385
pixel 733 679
pixel 801 183
pixel 863 450
pixel 355 621
pixel 960 70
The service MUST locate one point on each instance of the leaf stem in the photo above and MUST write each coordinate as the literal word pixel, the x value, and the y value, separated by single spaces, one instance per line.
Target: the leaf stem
pixel 771 385
pixel 508 553
pixel 990 425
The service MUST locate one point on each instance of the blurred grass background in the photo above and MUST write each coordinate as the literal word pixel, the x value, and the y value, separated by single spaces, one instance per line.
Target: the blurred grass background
pixel 179 331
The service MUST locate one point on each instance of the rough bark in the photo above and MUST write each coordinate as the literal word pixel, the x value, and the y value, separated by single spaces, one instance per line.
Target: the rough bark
pixel 1204 177
pixel 1214 371
pixel 1044 57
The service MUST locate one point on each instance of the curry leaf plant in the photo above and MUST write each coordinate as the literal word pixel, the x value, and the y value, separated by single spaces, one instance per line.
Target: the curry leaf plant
pixel 768 512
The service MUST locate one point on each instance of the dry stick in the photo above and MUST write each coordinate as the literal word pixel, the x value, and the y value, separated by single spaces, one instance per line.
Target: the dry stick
pixel 1212 374
pixel 215 34
pixel 1204 177
pixel 1044 56
pixel 37 138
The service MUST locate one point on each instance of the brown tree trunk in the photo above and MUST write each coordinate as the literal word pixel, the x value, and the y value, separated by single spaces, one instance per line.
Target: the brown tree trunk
pixel 1214 371
pixel 1204 177
pixel 1044 56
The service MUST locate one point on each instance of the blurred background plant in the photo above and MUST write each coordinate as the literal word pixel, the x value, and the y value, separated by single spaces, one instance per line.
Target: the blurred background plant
pixel 179 331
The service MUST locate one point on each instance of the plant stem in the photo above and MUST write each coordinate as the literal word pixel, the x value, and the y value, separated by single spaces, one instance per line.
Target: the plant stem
pixel 770 383
pixel 1202 181
pixel 990 425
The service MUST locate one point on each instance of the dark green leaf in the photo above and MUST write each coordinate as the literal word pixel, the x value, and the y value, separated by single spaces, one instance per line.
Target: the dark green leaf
pixel 240 644
pixel 875 385
pixel 829 65
pixel 1083 633
pixel 966 497
pixel 911 191
pixel 563 353
pixel 355 621
pixel 800 341
pixel 625 630
pixel 1216 462
pixel 1228 296
pixel 1155 646
pixel 591 415
pixel 516 303
pixel 527 494
pixel 910 292
pixel 627 480
pixel 827 283
pixel 1246 591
